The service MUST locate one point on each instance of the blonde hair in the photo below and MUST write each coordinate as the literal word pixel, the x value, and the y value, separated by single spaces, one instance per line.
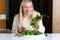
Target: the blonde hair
pixel 21 18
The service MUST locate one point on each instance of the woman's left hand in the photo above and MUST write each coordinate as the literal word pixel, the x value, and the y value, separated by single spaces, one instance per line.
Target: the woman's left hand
pixel 37 25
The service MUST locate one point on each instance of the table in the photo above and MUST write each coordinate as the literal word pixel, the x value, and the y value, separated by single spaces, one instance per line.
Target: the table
pixel 4 36
pixel 53 36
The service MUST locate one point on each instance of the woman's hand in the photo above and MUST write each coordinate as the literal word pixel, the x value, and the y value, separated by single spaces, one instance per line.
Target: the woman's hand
pixel 37 25
pixel 21 29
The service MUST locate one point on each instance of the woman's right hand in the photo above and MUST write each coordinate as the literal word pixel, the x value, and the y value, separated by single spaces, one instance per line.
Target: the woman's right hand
pixel 21 29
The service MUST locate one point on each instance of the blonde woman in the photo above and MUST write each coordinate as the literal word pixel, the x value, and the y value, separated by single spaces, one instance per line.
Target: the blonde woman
pixel 26 14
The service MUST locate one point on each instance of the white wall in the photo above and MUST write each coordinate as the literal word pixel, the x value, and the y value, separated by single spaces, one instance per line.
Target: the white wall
pixel 56 16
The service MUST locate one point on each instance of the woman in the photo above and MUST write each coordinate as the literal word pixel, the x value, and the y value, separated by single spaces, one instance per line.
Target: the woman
pixel 26 14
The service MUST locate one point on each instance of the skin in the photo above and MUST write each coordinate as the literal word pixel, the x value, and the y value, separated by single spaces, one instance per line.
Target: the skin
pixel 27 11
pixel 21 29
pixel 36 25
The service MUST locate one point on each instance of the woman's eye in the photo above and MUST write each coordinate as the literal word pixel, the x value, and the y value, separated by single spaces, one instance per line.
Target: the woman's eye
pixel 25 7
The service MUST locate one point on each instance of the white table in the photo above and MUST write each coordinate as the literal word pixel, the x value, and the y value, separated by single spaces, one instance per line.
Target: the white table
pixel 13 37
pixel 53 37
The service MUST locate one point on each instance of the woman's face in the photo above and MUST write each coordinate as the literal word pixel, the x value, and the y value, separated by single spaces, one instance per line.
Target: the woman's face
pixel 27 9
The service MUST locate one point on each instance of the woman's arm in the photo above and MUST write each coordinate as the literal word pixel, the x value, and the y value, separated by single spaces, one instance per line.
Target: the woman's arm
pixel 17 27
pixel 41 27
pixel 39 24
pixel 14 26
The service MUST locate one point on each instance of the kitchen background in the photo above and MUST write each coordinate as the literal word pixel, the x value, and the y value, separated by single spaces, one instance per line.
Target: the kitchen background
pixel 48 8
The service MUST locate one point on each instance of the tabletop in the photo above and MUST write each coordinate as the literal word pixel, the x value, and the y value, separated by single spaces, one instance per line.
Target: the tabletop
pixel 4 36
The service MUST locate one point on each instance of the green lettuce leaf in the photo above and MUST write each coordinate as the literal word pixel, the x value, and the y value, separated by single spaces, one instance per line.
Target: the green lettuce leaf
pixel 35 19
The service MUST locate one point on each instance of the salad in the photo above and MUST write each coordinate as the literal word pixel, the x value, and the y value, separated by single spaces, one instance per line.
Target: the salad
pixel 32 23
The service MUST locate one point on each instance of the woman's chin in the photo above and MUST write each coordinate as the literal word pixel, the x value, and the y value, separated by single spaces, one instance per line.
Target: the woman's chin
pixel 28 13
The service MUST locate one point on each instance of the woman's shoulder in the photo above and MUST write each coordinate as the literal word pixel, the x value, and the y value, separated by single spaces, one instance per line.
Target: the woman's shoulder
pixel 36 13
pixel 16 16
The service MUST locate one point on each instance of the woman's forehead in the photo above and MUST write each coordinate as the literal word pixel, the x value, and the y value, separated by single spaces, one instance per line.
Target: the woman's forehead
pixel 29 3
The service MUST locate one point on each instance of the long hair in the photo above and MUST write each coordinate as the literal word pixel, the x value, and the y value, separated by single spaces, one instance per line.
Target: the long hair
pixel 21 17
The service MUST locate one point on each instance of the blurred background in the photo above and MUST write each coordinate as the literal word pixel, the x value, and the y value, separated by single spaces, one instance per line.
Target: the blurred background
pixel 48 8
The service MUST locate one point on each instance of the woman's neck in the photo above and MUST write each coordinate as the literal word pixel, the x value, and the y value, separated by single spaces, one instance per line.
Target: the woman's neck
pixel 26 16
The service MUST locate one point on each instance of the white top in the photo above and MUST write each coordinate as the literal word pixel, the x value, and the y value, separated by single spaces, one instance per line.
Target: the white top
pixel 26 24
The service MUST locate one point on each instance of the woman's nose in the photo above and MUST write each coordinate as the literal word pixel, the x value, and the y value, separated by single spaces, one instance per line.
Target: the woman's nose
pixel 27 9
